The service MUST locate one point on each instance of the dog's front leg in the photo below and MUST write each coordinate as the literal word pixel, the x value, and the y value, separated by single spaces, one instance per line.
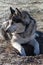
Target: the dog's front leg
pixel 19 48
pixel 35 44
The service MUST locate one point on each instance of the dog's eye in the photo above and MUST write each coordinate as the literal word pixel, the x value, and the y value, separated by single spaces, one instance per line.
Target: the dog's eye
pixel 16 19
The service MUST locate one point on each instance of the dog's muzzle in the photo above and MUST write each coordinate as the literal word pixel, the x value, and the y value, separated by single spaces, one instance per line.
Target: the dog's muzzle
pixel 11 29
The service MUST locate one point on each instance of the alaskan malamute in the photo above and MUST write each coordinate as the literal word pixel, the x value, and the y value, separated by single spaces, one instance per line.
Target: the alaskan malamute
pixel 21 28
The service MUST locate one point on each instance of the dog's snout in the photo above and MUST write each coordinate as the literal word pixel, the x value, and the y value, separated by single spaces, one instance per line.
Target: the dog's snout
pixel 11 29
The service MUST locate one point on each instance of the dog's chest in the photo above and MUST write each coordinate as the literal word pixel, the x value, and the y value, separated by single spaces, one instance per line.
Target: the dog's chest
pixel 29 50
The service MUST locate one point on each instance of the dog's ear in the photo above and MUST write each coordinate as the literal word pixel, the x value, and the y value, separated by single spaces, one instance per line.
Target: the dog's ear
pixel 18 12
pixel 12 10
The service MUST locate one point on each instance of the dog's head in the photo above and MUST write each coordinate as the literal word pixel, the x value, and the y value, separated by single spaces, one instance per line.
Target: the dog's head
pixel 20 20
pixel 20 23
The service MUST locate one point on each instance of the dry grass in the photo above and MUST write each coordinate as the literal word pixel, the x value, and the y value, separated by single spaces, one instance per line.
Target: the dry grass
pixel 7 55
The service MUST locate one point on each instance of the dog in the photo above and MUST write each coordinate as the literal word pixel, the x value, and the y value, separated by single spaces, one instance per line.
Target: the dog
pixel 20 29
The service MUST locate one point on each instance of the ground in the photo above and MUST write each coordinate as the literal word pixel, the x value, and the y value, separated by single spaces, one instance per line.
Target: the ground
pixel 35 8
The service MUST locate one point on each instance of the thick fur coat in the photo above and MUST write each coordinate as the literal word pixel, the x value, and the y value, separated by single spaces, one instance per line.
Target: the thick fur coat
pixel 20 29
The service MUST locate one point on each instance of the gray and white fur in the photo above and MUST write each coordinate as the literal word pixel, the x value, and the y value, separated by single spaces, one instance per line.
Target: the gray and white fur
pixel 22 27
